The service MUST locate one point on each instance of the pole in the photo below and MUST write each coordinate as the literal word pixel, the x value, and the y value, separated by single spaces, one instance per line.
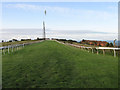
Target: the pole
pixel 103 51
pixel 44 36
pixel 97 51
pixel 8 49
pixel 12 48
pixel 88 49
pixel 114 53
pixel 92 50
pixel 3 51
pixel 23 45
pixel 43 30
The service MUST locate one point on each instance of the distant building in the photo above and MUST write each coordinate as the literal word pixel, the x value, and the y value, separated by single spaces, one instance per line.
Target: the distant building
pixel 93 42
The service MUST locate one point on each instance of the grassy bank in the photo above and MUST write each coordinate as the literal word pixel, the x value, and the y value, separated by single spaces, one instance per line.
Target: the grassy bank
pixel 53 65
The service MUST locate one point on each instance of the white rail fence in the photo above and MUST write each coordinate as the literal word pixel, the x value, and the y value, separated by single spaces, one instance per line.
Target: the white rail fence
pixel 93 48
pixel 11 48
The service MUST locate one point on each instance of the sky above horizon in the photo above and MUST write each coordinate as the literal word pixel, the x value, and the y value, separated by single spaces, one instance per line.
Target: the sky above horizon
pixel 70 20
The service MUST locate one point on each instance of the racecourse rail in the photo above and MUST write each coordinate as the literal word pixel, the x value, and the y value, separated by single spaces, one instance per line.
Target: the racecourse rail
pixel 10 48
pixel 92 48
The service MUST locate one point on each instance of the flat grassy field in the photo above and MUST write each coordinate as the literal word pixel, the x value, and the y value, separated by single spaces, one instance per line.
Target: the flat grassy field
pixel 52 65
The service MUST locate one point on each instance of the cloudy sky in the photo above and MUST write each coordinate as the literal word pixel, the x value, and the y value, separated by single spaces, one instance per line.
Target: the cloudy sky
pixel 70 20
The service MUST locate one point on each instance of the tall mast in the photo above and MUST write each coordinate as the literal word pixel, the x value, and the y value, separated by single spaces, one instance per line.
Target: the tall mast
pixel 43 30
pixel 44 36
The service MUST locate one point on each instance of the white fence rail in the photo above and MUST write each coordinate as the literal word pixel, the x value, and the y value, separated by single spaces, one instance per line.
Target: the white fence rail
pixel 12 48
pixel 92 48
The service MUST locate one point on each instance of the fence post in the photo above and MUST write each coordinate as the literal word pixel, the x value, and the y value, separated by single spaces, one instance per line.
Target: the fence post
pixel 23 45
pixel 88 49
pixel 3 51
pixel 20 46
pixel 0 50
pixel 8 49
pixel 97 51
pixel 114 53
pixel 17 47
pixel 103 51
pixel 92 50
pixel 12 48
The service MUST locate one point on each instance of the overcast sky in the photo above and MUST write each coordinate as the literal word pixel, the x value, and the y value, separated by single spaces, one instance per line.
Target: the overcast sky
pixel 70 20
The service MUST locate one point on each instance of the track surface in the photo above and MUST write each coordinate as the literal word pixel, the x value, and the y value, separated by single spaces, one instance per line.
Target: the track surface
pixel 52 65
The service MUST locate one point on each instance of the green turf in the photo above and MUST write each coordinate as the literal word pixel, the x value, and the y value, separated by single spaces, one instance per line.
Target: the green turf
pixel 52 65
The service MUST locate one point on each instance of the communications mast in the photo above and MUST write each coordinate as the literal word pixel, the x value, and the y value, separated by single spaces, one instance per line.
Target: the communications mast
pixel 44 36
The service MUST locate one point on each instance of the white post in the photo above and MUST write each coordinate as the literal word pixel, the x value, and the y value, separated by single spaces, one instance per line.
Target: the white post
pixel 20 46
pixel 3 51
pixel 8 49
pixel 103 51
pixel 0 51
pixel 17 47
pixel 114 53
pixel 12 48
pixel 23 45
pixel 92 50
pixel 97 51
pixel 88 49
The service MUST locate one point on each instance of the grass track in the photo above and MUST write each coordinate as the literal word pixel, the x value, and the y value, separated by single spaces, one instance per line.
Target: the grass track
pixel 52 65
